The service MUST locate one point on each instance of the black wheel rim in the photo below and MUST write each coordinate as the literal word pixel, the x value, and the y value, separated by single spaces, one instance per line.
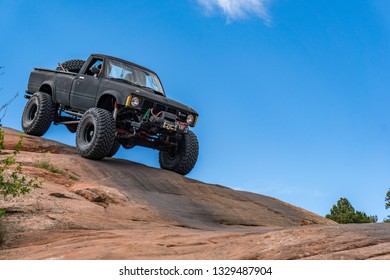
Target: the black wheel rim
pixel 32 112
pixel 88 133
pixel 172 155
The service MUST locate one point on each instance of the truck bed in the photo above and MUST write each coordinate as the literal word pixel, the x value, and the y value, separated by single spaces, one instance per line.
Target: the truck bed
pixel 61 82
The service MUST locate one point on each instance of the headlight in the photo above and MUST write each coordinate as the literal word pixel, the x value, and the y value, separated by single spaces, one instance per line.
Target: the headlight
pixel 135 101
pixel 190 119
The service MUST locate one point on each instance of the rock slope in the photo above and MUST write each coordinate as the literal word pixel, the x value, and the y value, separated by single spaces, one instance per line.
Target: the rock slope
pixel 117 209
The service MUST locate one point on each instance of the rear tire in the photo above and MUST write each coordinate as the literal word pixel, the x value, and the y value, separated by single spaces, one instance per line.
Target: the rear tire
pixel 183 159
pixel 38 114
pixel 73 65
pixel 95 134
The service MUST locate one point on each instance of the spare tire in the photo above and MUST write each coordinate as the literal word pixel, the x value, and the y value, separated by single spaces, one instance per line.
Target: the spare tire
pixel 73 65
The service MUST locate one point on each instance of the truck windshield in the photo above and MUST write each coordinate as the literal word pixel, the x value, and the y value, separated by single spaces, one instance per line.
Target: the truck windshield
pixel 134 75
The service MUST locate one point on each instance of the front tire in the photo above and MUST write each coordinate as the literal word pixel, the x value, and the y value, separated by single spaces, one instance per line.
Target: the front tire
pixel 114 149
pixel 38 114
pixel 95 134
pixel 183 159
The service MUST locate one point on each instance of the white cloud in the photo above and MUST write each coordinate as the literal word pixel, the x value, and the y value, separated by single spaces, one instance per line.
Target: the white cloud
pixel 237 9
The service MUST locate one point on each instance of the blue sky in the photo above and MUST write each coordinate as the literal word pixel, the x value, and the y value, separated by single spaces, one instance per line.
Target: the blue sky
pixel 293 95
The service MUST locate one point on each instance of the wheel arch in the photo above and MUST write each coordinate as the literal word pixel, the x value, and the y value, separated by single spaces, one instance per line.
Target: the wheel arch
pixel 106 100
pixel 49 88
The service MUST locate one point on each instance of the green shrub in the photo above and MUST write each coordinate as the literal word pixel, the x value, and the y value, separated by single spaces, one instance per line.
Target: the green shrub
pixel 72 177
pixel 12 181
pixel 48 166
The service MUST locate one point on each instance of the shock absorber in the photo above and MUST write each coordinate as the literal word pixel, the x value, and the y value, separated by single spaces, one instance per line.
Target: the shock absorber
pixel 115 113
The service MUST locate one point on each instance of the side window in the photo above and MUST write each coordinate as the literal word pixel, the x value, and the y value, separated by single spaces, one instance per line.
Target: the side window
pixel 116 72
pixel 95 63
pixel 120 71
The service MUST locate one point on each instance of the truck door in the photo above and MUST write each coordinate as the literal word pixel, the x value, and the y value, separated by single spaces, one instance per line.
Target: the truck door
pixel 85 86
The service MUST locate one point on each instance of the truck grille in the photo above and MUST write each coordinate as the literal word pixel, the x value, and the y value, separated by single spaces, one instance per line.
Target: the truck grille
pixel 157 108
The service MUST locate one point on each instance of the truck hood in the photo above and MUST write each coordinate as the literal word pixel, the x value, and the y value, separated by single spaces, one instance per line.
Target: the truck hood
pixel 149 94
pixel 165 100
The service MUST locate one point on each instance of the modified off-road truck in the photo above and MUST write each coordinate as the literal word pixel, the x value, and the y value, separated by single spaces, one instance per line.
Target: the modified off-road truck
pixel 109 102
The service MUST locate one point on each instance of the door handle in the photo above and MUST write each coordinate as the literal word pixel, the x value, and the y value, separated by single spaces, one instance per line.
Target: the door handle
pixel 81 77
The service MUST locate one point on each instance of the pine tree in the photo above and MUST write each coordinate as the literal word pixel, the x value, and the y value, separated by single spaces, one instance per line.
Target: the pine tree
pixel 344 213
pixel 387 205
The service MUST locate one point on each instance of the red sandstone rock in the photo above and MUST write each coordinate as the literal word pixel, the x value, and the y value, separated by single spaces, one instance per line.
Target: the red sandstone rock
pixel 117 209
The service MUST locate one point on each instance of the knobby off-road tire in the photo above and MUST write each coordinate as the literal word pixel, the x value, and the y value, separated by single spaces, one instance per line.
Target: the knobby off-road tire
pixel 114 149
pixel 183 160
pixel 38 114
pixel 95 134
pixel 73 65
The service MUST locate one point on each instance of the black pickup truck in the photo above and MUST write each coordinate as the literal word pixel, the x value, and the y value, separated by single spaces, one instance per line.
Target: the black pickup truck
pixel 110 102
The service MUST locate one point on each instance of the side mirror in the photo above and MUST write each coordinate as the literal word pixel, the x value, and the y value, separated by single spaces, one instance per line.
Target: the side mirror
pixel 95 70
